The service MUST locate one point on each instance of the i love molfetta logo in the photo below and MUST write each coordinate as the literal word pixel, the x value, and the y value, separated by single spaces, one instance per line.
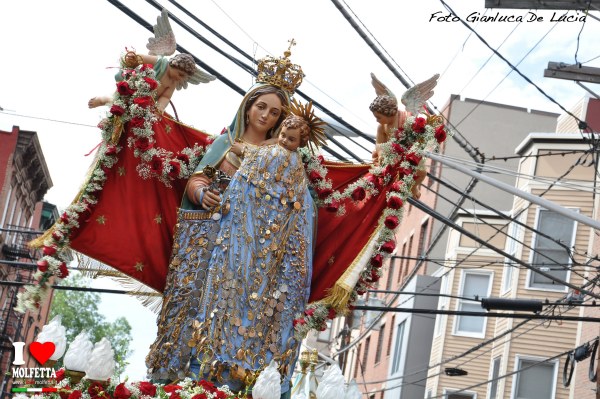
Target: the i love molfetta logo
pixel 40 351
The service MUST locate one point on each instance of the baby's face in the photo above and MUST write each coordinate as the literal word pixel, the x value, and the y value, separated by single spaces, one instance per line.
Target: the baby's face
pixel 289 138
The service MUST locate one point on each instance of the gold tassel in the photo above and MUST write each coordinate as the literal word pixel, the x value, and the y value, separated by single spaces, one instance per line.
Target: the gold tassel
pixel 118 129
pixel 337 297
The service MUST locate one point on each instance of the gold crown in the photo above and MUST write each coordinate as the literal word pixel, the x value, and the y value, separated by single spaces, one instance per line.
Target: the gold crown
pixel 280 72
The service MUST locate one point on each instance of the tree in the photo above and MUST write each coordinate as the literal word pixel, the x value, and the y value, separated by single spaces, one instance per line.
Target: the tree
pixel 79 311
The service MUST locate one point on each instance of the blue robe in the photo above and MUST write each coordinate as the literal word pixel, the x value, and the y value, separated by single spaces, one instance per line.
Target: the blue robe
pixel 260 270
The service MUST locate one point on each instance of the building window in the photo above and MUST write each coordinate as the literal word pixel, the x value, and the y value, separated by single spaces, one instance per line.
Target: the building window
pixel 365 354
pixel 422 238
pixel 389 345
pixel 398 347
pixel 494 374
pixel 409 255
pixel 357 364
pixel 442 305
pixel 379 344
pixel 459 395
pixel 402 262
pixel 473 284
pixel 548 254
pixel 535 380
pixel 512 246
pixel 390 276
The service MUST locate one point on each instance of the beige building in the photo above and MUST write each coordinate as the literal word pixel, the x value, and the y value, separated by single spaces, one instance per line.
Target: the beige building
pixel 521 358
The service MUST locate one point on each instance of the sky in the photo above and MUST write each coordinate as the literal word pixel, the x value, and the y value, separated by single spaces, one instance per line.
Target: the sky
pixel 58 54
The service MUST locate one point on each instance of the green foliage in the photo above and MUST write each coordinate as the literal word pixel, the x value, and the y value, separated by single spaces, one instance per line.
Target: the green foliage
pixel 79 311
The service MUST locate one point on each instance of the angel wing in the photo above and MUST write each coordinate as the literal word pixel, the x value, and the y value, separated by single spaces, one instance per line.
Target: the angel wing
pixel 415 97
pixel 380 88
pixel 163 42
pixel 198 77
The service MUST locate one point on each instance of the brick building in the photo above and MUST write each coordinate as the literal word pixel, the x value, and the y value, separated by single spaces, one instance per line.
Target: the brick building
pixel 24 180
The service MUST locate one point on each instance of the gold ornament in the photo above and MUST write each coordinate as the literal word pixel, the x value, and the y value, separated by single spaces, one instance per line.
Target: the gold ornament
pixel 280 72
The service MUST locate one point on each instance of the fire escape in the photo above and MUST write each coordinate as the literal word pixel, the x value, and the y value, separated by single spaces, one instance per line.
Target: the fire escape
pixel 15 248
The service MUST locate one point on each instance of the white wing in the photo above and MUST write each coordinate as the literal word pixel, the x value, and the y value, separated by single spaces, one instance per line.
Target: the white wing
pixel 380 88
pixel 163 42
pixel 415 97
pixel 198 77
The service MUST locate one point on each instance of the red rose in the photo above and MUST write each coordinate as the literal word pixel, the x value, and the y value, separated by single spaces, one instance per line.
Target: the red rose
pixel 360 291
pixel 63 271
pixel 333 206
pixel 418 125
pixel 151 82
pixel 358 194
pixel 64 218
pixel 377 261
pixel 156 164
pixel 324 192
pixel 440 134
pixel 43 267
pixel 175 395
pixel 147 388
pixel 404 172
pixel 64 392
pixel 374 275
pixel 124 89
pixel 76 394
pixel 388 246
pixel 110 150
pixel 399 132
pixel 137 122
pixel 60 373
pixel 391 222
pixel 323 327
pixel 413 158
pixel 171 388
pixel 299 322
pixel 397 186
pixel 143 144
pixel 56 236
pixel 200 396
pixel 388 170
pixel 49 250
pixel 96 390
pixel 221 395
pixel 183 157
pixel 331 314
pixel 121 392
pixel 207 385
pixel 144 102
pixel 398 149
pixel 175 169
pixel 117 110
pixel 315 176
pixel 309 312
pixel 394 202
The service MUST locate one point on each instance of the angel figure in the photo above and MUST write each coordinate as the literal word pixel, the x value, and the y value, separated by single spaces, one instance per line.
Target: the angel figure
pixel 390 118
pixel 172 73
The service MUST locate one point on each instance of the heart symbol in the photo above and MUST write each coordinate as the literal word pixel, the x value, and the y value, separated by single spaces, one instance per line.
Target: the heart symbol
pixel 42 350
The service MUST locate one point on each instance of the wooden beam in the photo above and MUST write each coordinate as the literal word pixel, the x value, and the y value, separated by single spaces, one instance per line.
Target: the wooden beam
pixel 544 4
pixel 560 70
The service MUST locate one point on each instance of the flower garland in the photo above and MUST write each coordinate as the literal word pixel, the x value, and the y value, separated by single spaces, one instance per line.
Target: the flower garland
pixel 89 389
pixel 399 161
pixel 134 105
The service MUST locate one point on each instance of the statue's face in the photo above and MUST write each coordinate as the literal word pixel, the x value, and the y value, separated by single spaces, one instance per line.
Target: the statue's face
pixel 289 138
pixel 265 112
pixel 178 75
pixel 383 119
